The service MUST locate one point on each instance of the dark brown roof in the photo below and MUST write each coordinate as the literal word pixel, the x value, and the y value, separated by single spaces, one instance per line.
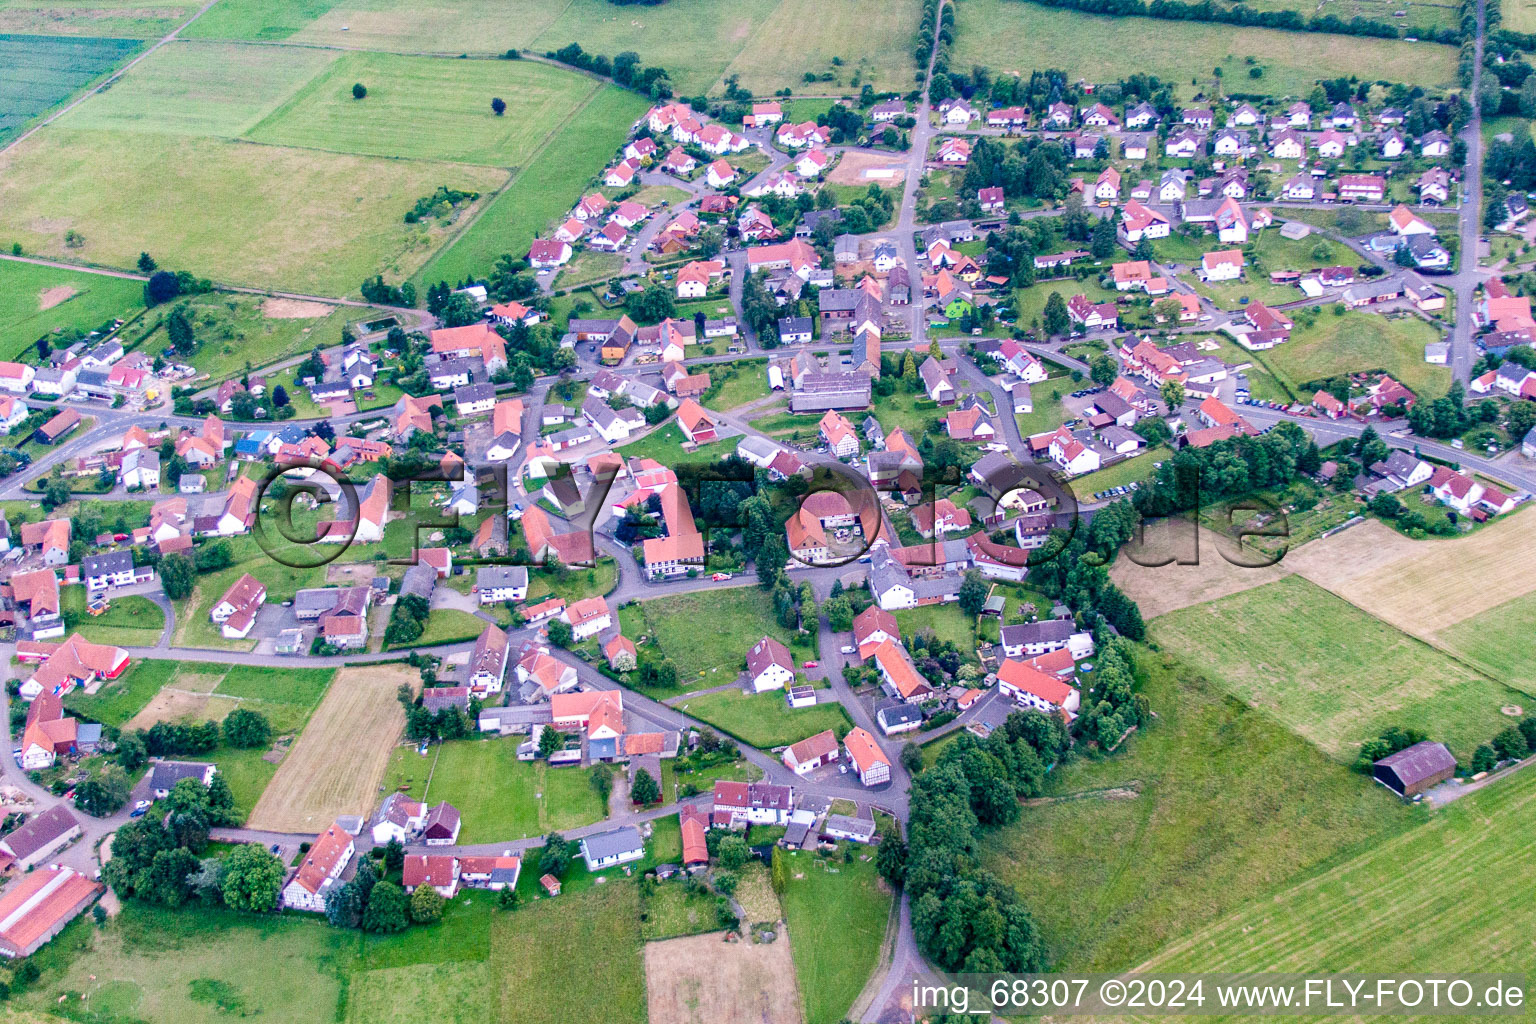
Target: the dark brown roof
pixel 1418 762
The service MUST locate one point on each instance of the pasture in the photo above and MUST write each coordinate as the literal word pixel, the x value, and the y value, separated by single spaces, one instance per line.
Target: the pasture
pixel 764 720
pixel 542 191
pixel 529 799
pixel 337 765
pixel 427 108
pixel 122 698
pixel 199 691
pixel 1332 673
pixel 1499 641
pixel 1012 35
pixel 1209 806
pixel 219 90
pixel 1438 897
pixel 127 19
pixel 43 71
pixel 300 220
pixel 832 964
pixel 61 304
pixel 1336 345
pixel 704 980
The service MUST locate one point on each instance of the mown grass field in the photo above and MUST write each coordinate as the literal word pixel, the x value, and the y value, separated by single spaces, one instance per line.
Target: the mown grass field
pixel 338 763
pixel 235 331
pixel 299 220
pixel 427 108
pixel 529 798
pixel 1499 641
pixel 1212 805
pixel 1357 341
pixel 1331 672
pixel 221 90
pixel 542 191
pixel 118 701
pixel 832 964
pixel 1011 35
pixel 43 301
pixel 129 19
pixel 43 71
pixel 765 720
pixel 1439 897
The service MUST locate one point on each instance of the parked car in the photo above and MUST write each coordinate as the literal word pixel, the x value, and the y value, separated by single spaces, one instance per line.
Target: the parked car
pixel 811 664
pixel 848 649
pixel 721 577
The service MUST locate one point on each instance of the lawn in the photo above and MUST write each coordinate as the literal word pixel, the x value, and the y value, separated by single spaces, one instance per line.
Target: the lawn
pixel 119 700
pixel 1369 913
pixel 735 384
pixel 1205 809
pixel 944 621
pixel 37 301
pixel 589 267
pixel 738 617
pixel 1332 673
pixel 219 90
pixel 1030 302
pixel 427 108
pixel 1136 469
pixel 236 331
pixel 573 584
pixel 832 964
pixel 300 220
pixel 131 621
pixel 765 720
pixel 43 71
pixel 665 445
pixel 529 798
pixel 1009 35
pixel 1356 341
pixel 544 188
pixel 448 626
pixel 1498 642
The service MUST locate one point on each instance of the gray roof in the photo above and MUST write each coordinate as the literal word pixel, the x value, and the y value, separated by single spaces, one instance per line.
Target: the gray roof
pixel 1044 631
pixel 474 393
pixel 42 830
pixel 796 325
pixel 893 715
pixel 315 600
pixel 489 577
pixel 168 773
pixel 852 826
pixel 1419 762
pixel 838 300
pixel 420 580
pixel 111 562
pixel 1112 404
pixel 612 843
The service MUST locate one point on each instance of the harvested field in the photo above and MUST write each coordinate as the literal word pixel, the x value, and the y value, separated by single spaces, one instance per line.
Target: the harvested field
pixel 339 760
pixel 293 309
pixel 1170 587
pixel 1423 587
pixel 702 979
pixel 172 704
pixel 850 169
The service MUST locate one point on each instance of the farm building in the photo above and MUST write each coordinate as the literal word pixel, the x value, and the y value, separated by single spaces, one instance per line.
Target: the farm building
pixel 1410 772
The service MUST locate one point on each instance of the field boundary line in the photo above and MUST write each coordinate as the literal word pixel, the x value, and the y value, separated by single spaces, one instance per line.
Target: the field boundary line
pixel 426 787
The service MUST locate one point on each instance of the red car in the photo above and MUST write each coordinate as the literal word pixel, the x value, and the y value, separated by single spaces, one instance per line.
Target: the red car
pixel 810 664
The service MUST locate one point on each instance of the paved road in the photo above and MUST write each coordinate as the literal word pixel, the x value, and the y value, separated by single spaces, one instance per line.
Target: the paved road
pixel 1466 281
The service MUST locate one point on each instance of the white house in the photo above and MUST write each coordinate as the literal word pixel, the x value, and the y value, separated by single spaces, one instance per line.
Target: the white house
pixel 318 873
pixel 770 666
pixel 607 849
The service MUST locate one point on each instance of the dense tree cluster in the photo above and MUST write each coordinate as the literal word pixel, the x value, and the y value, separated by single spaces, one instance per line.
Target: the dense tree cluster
pixel 1197 476
pixel 1076 573
pixel 157 860
pixel 624 69
pixel 963 917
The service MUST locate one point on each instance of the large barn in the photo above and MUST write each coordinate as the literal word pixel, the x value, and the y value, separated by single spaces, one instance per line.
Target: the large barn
pixel 1411 771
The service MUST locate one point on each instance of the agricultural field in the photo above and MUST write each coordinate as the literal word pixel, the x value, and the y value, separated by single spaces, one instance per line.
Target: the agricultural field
pixel 1011 35
pixel 1356 341
pixel 703 980
pixel 124 697
pixel 833 964
pixel 217 90
pixel 1499 642
pixel 1332 673
pixel 1424 587
pixel 426 108
pixel 1207 808
pixel 542 190
pixel 44 301
pixel 132 621
pixel 739 617
pixel 299 220
pixel 122 19
pixel 42 72
pixel 1369 913
pixel 529 799
pixel 1519 15
pixel 338 764
pixel 765 720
